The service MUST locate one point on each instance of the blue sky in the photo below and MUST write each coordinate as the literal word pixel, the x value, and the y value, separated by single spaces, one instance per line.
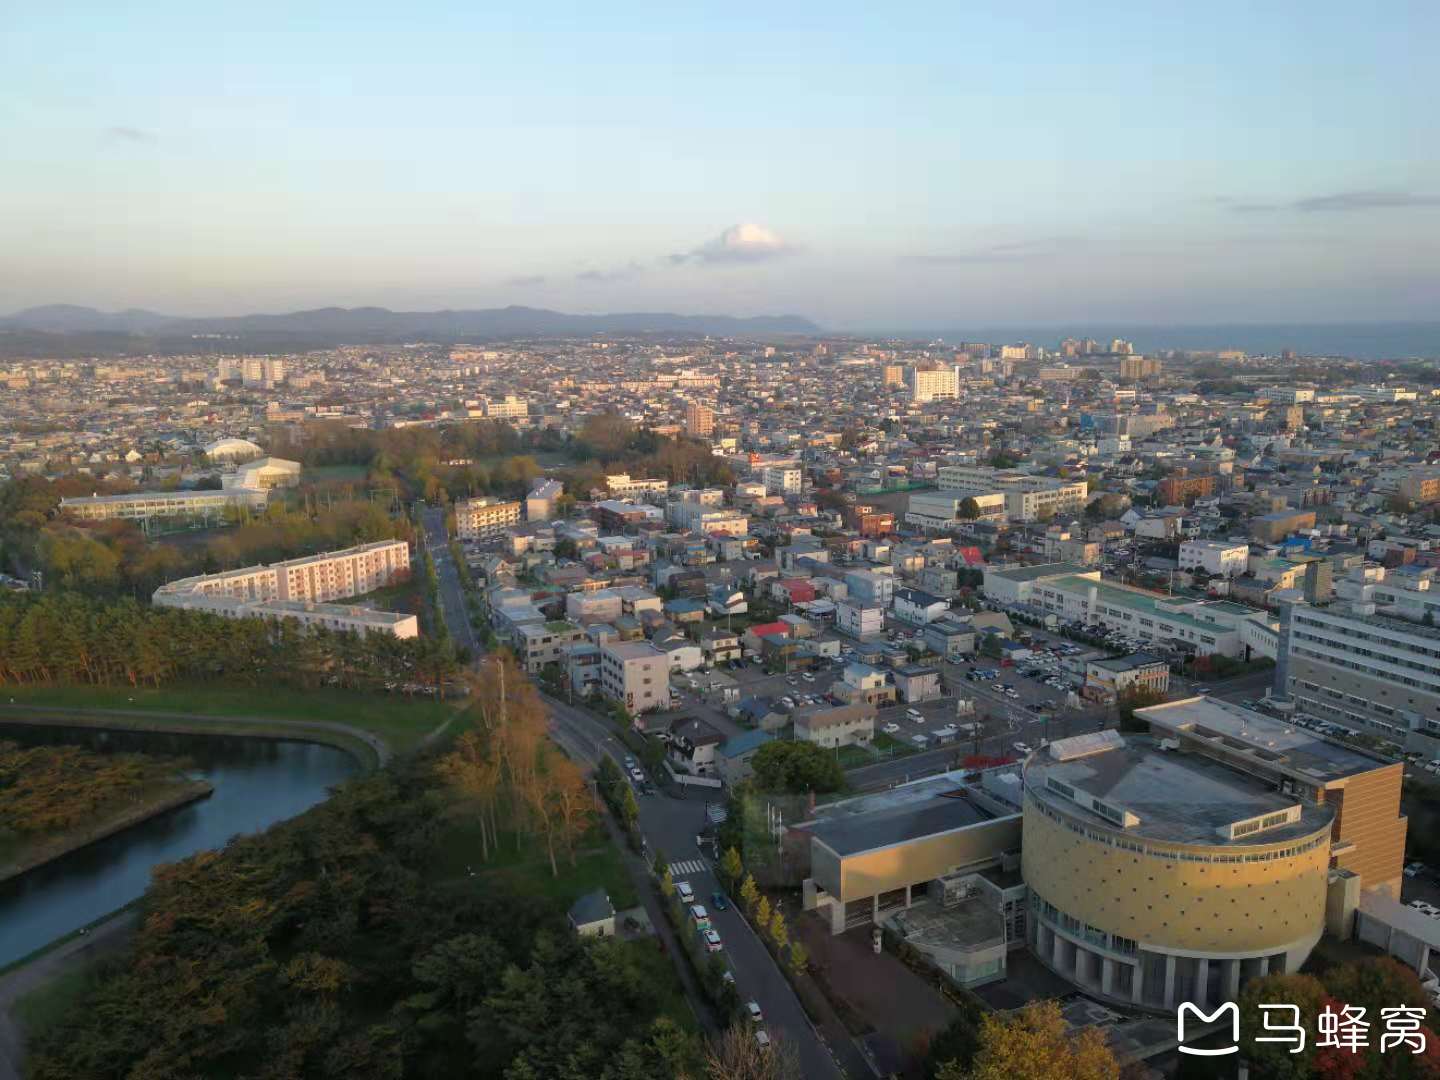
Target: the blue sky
pixel 919 165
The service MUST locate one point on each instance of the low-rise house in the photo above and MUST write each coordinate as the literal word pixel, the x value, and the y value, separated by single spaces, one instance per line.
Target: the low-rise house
pixel 733 758
pixel 720 645
pixel 918 682
pixel 593 915
pixel 950 638
pixel 693 744
pixel 918 608
pixel 834 726
pixel 1115 676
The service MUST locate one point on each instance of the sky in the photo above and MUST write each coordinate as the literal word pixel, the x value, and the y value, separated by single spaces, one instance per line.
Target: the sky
pixel 868 165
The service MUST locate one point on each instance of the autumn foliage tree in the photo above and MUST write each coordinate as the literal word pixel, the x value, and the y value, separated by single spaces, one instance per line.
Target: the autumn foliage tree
pixel 508 776
pixel 1035 1042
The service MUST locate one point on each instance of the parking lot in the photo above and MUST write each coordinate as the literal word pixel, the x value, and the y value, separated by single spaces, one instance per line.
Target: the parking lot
pixel 1020 705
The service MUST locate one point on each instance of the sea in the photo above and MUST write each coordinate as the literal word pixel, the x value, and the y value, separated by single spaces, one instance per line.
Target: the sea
pixel 1358 341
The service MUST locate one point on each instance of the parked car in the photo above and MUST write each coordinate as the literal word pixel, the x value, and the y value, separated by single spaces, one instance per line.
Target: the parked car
pixel 752 1009
pixel 686 894
pixel 712 941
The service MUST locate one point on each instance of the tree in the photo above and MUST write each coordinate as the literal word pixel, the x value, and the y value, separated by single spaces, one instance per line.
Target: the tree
pixel 762 913
pixel 1035 1042
pixel 957 1044
pixel 749 893
pixel 737 1055
pixel 968 510
pixel 1273 1061
pixel 731 868
pixel 779 932
pixel 796 767
pixel 990 646
pixel 1139 698
pixel 799 958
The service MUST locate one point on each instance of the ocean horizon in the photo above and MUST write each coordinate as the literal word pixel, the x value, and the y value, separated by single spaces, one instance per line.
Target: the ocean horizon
pixel 1359 341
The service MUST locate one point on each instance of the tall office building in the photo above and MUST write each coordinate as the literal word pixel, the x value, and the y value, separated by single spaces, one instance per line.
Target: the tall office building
pixel 699 420
pixel 894 375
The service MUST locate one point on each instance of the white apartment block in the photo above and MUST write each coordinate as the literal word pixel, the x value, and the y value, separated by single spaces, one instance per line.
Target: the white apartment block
pixel 145 505
pixel 623 486
pixel 636 674
pixel 782 479
pixel 509 407
pixel 858 620
pixel 333 575
pixel 1027 498
pixel 338 617
pixel 1215 557
pixel 301 589
pixel 932 384
pixel 1409 594
pixel 483 518
pixel 941 509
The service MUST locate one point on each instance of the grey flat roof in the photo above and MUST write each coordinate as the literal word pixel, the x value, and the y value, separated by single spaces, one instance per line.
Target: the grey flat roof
pixel 1179 797
pixel 854 835
pixel 1273 742
pixel 902 813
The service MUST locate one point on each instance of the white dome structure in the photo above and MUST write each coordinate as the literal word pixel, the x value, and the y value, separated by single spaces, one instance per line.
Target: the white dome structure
pixel 233 450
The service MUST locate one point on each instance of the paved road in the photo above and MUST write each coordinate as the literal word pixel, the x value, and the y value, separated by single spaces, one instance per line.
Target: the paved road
pixel 452 594
pixel 670 825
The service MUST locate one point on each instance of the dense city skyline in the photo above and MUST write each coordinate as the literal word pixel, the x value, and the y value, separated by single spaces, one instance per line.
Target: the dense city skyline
pixel 924 171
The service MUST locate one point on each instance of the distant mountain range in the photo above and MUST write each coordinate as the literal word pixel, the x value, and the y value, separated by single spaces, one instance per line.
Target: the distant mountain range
pixel 367 324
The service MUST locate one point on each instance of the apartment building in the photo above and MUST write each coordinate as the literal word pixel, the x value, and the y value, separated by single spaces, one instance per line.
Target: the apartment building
pixel 485 517
pixel 934 384
pixel 149 505
pixel 337 617
pixel 782 479
pixel 1027 498
pixel 636 674
pixel 1139 367
pixel 509 407
pixel 1421 485
pixel 333 575
pixel 859 620
pixel 623 486
pixel 547 642
pixel 1406 592
pixel 542 504
pixel 1356 667
pixel 1180 488
pixel 1217 558
pixel 699 420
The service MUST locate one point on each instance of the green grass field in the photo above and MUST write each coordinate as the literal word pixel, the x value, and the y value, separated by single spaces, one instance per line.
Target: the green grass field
pixel 400 721
pixel 598 864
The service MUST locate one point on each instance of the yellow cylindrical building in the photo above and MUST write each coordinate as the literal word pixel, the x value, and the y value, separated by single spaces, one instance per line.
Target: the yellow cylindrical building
pixel 1158 877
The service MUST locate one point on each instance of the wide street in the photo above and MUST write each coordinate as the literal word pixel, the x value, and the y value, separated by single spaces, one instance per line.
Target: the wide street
pixel 452 594
pixel 671 825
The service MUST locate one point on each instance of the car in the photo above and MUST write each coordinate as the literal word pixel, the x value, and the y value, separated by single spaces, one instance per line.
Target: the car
pixel 1021 748
pixel 914 713
pixel 636 774
pixel 701 916
pixel 718 901
pixel 807 676
pixel 629 762
pixel 683 890
pixel 762 1040
pixel 1201 690
pixel 1415 869
pixel 890 729
pixel 712 941
pixel 752 1010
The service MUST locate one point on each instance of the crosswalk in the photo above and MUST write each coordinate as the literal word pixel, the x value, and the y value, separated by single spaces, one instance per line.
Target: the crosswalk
pixel 688 866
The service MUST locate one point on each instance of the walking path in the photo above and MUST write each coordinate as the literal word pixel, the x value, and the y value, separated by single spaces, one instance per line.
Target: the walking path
pixel 202 724
pixel 77 952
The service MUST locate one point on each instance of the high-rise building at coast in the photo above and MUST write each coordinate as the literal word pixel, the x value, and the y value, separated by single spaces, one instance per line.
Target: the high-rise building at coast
pixel 931 384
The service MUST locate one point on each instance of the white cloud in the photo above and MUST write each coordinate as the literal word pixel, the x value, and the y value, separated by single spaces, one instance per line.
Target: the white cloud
pixel 746 242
